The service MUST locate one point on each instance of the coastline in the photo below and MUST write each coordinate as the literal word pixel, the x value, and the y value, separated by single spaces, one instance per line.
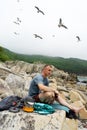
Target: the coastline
pixel 82 80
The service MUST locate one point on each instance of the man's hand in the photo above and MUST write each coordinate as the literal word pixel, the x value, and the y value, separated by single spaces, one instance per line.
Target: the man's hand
pixel 56 93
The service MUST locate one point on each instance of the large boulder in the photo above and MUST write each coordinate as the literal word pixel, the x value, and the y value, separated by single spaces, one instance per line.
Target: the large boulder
pixel 31 121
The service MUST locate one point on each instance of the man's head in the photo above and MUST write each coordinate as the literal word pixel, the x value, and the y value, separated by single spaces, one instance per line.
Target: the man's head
pixel 46 71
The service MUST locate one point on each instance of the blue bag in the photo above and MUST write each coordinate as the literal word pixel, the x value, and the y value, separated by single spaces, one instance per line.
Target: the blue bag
pixel 43 108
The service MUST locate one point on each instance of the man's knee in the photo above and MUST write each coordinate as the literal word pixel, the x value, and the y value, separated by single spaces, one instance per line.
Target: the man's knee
pixel 47 97
pixel 50 94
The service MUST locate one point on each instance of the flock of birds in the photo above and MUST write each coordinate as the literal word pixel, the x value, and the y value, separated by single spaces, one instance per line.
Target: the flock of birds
pixel 17 22
pixel 60 24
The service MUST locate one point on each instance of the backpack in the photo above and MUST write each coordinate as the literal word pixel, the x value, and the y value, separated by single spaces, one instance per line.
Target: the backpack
pixel 43 108
pixel 9 102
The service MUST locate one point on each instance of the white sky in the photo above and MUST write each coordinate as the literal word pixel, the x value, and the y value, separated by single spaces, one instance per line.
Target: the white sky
pixel 63 44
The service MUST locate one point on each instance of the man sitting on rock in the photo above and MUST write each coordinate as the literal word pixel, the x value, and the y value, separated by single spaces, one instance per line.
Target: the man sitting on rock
pixel 40 91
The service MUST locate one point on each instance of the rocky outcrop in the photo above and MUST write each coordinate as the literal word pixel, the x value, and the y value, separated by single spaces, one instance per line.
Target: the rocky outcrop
pixel 31 121
pixel 15 77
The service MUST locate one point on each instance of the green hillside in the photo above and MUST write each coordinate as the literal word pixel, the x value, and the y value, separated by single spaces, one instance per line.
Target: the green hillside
pixel 71 65
pixel 5 54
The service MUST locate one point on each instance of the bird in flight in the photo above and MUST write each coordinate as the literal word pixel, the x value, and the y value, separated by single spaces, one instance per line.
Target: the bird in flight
pixel 53 35
pixel 78 38
pixel 37 36
pixel 16 23
pixel 39 11
pixel 61 24
pixel 18 20
pixel 16 33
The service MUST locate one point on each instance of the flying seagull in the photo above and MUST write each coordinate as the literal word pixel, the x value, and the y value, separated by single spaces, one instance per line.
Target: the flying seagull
pixel 18 20
pixel 37 36
pixel 78 38
pixel 61 24
pixel 16 23
pixel 39 11
pixel 53 35
pixel 16 33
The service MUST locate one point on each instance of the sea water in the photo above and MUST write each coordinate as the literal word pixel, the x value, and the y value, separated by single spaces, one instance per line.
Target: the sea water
pixel 82 79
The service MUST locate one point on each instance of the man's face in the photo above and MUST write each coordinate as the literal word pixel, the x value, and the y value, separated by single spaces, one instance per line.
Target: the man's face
pixel 48 71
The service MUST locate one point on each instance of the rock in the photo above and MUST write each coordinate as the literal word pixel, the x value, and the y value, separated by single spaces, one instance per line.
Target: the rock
pixel 75 96
pixel 70 124
pixel 31 121
pixel 83 112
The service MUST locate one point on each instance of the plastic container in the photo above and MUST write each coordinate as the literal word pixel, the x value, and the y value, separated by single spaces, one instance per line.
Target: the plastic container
pixel 28 109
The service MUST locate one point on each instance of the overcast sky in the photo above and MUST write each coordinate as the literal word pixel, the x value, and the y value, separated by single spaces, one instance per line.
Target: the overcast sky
pixel 59 42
